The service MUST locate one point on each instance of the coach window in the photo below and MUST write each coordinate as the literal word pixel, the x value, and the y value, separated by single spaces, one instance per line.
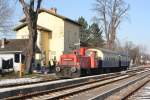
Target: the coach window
pixel 106 58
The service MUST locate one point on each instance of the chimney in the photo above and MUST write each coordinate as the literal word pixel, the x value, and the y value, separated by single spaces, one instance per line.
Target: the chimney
pixel 53 10
pixel 3 43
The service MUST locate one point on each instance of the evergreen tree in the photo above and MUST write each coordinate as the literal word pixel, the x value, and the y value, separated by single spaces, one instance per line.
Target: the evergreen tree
pixel 84 29
pixel 95 36
pixel 90 35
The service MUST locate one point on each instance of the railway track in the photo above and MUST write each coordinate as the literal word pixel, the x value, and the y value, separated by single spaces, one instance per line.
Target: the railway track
pixel 70 93
pixel 141 93
pixel 27 81
pixel 78 88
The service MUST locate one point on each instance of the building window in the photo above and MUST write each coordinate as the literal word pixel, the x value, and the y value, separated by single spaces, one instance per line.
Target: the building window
pixel 17 57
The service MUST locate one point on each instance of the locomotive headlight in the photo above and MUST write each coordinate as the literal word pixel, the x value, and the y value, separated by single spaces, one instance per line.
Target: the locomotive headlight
pixel 73 69
pixel 57 69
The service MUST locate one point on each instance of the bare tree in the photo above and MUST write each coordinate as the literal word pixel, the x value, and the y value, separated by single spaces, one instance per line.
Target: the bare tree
pixel 110 13
pixel 136 52
pixel 5 16
pixel 31 10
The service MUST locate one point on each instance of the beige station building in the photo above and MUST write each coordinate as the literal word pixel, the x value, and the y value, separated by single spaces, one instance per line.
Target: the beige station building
pixel 56 34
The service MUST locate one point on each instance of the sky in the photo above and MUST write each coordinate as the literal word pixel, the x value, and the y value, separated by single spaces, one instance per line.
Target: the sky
pixel 135 28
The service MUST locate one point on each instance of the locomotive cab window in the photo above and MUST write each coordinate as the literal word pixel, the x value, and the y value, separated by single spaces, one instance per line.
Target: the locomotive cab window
pixel 87 53
pixel 17 58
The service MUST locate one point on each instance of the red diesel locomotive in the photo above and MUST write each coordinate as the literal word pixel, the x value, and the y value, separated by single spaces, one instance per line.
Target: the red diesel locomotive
pixel 89 61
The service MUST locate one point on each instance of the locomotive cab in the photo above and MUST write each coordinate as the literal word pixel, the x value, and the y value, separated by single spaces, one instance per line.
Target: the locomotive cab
pixel 68 65
pixel 74 64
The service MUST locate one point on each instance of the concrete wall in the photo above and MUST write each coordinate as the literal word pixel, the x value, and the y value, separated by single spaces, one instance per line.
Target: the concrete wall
pixel 23 33
pixel 56 42
pixel 71 36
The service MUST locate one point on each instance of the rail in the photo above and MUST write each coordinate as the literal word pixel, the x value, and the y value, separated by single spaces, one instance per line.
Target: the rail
pixel 75 84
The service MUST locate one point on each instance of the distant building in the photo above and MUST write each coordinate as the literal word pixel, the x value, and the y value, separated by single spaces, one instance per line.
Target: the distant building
pixel 11 53
pixel 56 34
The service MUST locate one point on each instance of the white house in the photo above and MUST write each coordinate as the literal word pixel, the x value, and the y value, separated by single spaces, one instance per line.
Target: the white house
pixel 11 53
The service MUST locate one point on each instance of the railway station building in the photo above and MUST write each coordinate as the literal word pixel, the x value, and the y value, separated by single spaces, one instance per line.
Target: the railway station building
pixel 56 34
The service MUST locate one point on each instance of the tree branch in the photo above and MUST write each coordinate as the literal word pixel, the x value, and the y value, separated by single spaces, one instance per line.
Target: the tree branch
pixel 25 7
pixel 38 6
pixel 31 5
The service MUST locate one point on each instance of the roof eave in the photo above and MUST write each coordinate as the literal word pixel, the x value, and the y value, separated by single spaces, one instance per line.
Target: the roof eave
pixel 25 24
pixel 2 52
pixel 62 17
pixel 20 26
